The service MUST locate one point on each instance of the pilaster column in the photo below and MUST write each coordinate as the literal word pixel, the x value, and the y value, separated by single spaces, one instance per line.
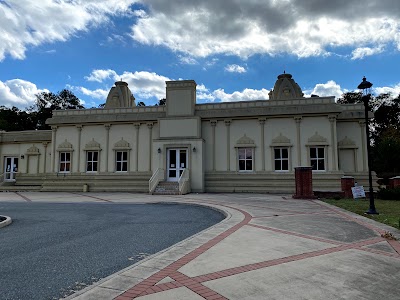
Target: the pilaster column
pixel 53 148
pixel 262 123
pixel 137 127
pixel 228 144
pixel 79 128
pixel 107 127
pixel 45 157
pixel 298 139
pixel 332 120
pixel 213 124
pixel 150 126
pixel 364 145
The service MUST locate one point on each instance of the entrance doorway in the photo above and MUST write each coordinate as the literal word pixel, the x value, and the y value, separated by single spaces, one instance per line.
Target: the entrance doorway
pixel 176 163
pixel 10 168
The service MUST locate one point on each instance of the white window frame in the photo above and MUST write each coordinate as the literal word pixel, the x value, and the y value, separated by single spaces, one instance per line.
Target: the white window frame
pixel 65 162
pixel 317 158
pixel 92 161
pixel 122 161
pixel 281 159
pixel 318 141
pixel 245 159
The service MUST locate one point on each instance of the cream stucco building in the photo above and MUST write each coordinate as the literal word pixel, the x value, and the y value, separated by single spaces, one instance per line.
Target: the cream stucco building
pixel 249 146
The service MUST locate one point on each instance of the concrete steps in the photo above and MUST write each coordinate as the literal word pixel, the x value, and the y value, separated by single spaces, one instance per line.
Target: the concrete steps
pixel 267 182
pixel 112 182
pixel 167 188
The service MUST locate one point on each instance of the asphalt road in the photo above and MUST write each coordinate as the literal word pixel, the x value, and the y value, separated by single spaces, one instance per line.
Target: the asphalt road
pixel 52 249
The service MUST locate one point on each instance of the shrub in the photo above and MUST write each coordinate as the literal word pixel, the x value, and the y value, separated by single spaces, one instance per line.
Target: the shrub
pixel 389 194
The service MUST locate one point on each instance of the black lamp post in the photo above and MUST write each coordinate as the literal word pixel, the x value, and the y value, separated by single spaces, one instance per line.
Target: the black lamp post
pixel 365 86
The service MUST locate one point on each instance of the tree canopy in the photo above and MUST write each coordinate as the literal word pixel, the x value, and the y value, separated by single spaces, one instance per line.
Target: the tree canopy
pixel 385 131
pixel 35 116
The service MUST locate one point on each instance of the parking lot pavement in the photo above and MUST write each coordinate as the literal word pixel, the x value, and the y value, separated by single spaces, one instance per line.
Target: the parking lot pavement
pixel 269 247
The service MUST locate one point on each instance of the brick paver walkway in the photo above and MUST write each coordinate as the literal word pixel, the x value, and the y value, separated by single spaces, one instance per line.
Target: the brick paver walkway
pixel 268 247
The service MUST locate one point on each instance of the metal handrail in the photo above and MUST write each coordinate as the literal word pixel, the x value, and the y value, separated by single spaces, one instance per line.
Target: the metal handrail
pixel 184 182
pixel 155 179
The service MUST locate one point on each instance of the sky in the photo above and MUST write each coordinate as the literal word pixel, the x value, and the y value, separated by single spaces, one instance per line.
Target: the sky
pixel 233 49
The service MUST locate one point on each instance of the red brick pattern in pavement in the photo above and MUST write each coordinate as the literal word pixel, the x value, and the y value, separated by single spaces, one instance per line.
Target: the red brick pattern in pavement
pixel 149 286
pixel 23 197
pixel 93 197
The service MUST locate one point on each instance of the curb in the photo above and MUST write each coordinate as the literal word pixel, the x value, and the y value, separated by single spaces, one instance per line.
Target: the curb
pixel 228 218
pixel 6 222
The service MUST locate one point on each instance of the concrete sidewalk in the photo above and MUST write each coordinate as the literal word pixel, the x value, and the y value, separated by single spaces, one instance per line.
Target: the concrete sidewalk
pixel 268 247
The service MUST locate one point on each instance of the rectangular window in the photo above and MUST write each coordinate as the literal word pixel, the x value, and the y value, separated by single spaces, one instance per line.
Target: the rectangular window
pixel 65 162
pixel 92 161
pixel 121 161
pixel 317 158
pixel 281 157
pixel 245 159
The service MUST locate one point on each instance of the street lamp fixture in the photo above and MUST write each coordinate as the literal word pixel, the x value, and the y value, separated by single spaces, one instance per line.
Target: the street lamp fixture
pixel 365 86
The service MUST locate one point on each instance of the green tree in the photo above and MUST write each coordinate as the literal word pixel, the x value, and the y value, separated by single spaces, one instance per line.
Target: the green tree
pixel 384 129
pixel 161 102
pixel 387 115
pixel 385 154
pixel 14 119
pixel 350 98
pixel 46 102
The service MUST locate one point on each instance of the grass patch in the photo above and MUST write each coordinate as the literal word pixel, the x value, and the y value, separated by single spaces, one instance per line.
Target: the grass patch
pixel 389 210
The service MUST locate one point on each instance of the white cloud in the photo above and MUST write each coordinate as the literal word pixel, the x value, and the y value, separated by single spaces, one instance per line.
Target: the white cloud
pixel 101 75
pixel 393 90
pixel 235 69
pixel 26 23
pixel 245 95
pixel 187 60
pixel 330 88
pixel 245 28
pixel 144 84
pixel 19 93
pixel 360 53
pixel 97 93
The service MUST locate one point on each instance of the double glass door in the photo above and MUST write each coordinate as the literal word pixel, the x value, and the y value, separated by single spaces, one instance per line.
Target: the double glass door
pixel 10 168
pixel 176 163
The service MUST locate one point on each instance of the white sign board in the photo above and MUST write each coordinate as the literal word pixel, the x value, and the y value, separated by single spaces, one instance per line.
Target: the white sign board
pixel 358 192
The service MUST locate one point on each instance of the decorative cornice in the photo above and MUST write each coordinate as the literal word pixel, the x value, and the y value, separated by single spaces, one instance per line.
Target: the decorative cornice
pixel 65 146
pixel 347 143
pixel 33 150
pixel 245 141
pixel 317 140
pixel 280 140
pixel 31 136
pixel 122 145
pixel 101 118
pixel 268 111
pixel 92 146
